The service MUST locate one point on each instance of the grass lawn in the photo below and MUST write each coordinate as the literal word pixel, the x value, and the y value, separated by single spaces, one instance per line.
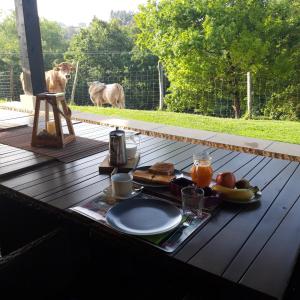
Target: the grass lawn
pixel 283 131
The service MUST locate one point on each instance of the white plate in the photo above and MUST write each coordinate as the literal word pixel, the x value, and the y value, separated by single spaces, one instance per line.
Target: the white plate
pixel 140 216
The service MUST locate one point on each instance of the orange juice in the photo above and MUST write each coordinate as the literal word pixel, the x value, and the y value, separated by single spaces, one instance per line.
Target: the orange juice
pixel 202 171
pixel 201 175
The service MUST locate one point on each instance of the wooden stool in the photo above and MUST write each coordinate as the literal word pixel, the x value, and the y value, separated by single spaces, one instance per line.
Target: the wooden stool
pixel 52 136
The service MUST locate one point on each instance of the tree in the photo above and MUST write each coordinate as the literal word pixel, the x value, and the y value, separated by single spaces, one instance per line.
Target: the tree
pixel 92 44
pixel 54 42
pixel 53 36
pixel 200 40
pixel 8 41
pixel 106 52
pixel 124 17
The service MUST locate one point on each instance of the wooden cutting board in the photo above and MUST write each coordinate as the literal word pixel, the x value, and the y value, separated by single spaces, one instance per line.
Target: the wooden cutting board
pixel 106 168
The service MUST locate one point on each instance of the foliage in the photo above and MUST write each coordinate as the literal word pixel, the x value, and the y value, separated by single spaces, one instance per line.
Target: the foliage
pixel 284 105
pixel 124 17
pixel 106 52
pixel 100 38
pixel 52 36
pixel 202 39
pixel 54 43
pixel 9 42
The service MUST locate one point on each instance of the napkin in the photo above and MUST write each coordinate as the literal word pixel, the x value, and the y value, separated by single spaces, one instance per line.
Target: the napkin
pixel 158 238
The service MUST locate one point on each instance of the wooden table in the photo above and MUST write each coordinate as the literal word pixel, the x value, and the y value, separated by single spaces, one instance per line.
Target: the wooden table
pixel 253 247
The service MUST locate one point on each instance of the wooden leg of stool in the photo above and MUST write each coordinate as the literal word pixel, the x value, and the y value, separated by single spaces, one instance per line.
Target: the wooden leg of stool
pixel 68 117
pixel 35 122
pixel 58 128
pixel 46 113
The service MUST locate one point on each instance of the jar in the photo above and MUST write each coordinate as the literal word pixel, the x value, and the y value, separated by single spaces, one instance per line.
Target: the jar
pixel 202 171
pixel 132 143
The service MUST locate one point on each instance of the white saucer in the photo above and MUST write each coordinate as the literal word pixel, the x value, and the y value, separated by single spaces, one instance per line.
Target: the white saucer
pixel 131 195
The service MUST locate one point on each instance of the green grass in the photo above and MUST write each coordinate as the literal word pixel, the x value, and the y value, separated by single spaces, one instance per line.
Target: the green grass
pixel 283 131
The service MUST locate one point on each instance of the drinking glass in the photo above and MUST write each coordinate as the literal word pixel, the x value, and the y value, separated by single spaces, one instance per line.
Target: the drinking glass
pixel 192 201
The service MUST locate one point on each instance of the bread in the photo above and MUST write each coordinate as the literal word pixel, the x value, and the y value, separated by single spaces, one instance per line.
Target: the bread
pixel 162 179
pixel 161 168
pixel 141 175
pixel 146 176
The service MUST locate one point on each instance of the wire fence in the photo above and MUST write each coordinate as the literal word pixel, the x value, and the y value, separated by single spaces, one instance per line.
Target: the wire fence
pixel 214 96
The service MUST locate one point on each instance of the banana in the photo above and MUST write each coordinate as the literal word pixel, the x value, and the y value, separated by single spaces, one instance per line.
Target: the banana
pixel 234 194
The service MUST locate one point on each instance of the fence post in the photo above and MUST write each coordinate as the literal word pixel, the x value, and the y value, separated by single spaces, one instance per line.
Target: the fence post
pixel 74 84
pixel 11 82
pixel 249 95
pixel 161 85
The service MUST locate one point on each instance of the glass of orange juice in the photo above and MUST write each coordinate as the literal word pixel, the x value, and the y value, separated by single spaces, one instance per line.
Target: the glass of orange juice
pixel 202 171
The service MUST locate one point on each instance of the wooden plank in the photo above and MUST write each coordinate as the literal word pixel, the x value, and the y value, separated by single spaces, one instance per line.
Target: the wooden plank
pixel 45 174
pixel 224 216
pixel 210 258
pixel 266 227
pixel 83 190
pixel 23 166
pixel 49 185
pixel 164 153
pixel 6 150
pixel 236 163
pixel 276 261
pixel 64 175
pixel 75 194
pixel 14 158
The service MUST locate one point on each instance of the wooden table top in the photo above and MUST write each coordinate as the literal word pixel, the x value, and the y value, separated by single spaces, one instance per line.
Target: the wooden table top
pixel 254 246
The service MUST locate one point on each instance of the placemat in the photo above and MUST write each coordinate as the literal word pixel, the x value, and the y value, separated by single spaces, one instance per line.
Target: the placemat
pixel 82 147
pixel 97 208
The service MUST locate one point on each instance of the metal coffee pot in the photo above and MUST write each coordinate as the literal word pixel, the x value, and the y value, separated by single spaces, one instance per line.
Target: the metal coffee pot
pixel 117 148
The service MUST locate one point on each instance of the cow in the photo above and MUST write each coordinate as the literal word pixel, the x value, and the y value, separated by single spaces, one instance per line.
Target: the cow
pixel 101 93
pixel 56 79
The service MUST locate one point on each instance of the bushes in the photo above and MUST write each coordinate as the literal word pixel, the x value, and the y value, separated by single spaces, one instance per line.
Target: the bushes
pixel 284 105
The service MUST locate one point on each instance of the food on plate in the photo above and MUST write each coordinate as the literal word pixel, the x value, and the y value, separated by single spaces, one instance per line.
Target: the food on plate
pixel 162 168
pixel 208 192
pixel 177 184
pixel 242 184
pixel 226 179
pixel 234 194
pixel 146 176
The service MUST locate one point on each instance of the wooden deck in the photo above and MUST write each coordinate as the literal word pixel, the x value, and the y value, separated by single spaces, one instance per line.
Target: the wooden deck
pixel 252 247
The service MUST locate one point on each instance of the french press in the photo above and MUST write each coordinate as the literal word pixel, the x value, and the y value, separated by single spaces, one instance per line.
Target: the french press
pixel 117 148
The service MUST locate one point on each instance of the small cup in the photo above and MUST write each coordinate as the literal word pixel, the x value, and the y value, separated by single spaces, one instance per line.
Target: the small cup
pixel 121 184
pixel 192 201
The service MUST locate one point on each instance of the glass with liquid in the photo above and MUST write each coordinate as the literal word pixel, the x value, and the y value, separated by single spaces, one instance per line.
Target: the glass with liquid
pixel 202 171
pixel 132 143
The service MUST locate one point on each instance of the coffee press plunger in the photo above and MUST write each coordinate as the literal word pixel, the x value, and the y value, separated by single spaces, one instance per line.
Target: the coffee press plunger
pixel 117 148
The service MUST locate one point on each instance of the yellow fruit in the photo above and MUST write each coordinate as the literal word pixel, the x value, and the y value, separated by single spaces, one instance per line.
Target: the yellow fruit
pixel 234 194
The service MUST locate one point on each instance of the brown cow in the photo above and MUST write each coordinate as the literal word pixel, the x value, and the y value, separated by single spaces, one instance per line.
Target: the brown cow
pixel 56 79
pixel 101 93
